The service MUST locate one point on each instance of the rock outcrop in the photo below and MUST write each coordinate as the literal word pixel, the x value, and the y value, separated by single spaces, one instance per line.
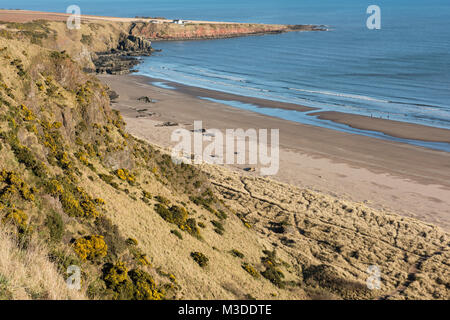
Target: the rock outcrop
pixel 122 60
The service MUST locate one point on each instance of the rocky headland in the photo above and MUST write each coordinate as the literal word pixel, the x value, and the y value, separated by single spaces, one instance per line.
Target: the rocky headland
pixel 112 45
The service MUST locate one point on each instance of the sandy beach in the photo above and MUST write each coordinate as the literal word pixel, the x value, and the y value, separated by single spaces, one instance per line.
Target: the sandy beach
pixel 396 177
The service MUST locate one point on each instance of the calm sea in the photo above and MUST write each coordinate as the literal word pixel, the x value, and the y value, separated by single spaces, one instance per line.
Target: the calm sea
pixel 401 71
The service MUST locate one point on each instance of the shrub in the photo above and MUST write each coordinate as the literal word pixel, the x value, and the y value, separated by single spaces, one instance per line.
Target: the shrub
pixel 83 157
pixel 251 270
pixel 237 253
pixel 15 184
pixel 218 227
pixel 141 258
pixel 17 217
pixel 146 195
pixel 132 242
pixel 109 180
pixel 74 200
pixel 205 200
pixel 55 226
pixel 178 216
pixel 177 234
pixel 272 273
pixel 135 284
pixel 27 113
pixel 125 175
pixel 25 156
pixel 200 258
pixel 144 286
pixel 162 200
pixel 112 236
pixel 221 215
pixel 91 247
pixel 115 275
pixel 99 201
pixel 64 160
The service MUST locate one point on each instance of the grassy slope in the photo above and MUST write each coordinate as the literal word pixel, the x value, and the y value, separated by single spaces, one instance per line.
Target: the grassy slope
pixel 59 135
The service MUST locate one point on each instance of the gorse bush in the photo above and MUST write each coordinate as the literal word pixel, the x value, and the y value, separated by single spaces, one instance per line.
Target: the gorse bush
pixel 272 273
pixel 144 286
pixel 27 114
pixel 178 216
pixel 115 275
pixel 133 285
pixel 251 270
pixel 25 156
pixel 177 234
pixel 83 157
pixel 64 160
pixel 75 200
pixel 125 175
pixel 109 180
pixel 200 258
pixel 132 242
pixel 117 244
pixel 218 227
pixel 237 253
pixel 17 217
pixel 163 200
pixel 14 184
pixel 90 247
pixel 55 226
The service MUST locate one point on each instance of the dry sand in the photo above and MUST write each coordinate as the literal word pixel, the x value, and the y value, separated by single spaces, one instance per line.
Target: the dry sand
pixel 412 181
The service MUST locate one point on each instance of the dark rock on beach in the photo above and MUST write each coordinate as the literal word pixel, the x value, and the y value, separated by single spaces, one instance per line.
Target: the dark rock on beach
pixel 168 124
pixel 146 99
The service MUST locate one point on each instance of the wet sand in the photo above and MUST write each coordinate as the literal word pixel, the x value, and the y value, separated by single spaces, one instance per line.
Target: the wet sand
pixel 412 181
pixel 393 128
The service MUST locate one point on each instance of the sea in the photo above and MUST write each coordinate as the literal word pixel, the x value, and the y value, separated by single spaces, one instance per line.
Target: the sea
pixel 400 71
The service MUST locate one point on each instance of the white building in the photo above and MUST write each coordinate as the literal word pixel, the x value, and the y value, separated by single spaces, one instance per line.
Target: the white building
pixel 177 21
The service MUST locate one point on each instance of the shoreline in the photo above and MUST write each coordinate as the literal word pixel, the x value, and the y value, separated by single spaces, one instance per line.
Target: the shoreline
pixel 221 95
pixel 390 128
pixel 387 175
pixel 393 128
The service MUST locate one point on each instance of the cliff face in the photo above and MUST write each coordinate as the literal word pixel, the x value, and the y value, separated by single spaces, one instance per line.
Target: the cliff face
pixel 104 46
pixel 190 31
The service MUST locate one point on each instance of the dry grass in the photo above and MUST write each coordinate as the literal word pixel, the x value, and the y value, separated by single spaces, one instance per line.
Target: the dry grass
pixel 28 273
pixel 341 239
